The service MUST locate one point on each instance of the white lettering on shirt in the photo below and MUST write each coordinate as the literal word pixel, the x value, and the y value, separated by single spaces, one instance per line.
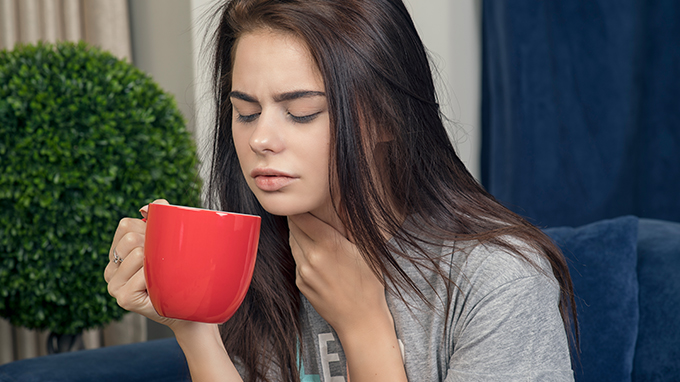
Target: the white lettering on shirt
pixel 327 358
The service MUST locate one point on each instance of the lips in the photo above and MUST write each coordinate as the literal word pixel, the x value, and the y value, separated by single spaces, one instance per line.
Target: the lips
pixel 271 180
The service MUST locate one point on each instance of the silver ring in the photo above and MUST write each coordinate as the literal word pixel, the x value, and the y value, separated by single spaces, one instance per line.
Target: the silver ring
pixel 117 259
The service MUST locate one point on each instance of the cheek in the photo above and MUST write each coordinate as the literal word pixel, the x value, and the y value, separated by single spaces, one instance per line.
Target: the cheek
pixel 316 149
pixel 319 157
pixel 322 159
pixel 240 143
pixel 243 150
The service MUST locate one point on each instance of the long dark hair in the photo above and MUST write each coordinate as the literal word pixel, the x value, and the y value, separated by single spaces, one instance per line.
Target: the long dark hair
pixel 381 95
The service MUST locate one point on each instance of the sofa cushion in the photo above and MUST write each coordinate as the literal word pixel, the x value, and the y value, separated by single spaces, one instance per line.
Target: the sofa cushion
pixel 602 259
pixel 657 352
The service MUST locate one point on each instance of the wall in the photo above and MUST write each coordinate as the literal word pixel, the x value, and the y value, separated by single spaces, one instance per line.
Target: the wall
pixel 451 31
pixel 162 46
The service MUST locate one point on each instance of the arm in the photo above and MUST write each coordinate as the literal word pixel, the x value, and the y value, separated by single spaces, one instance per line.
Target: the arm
pixel 342 288
pixel 510 327
pixel 372 351
pixel 201 343
pixel 205 353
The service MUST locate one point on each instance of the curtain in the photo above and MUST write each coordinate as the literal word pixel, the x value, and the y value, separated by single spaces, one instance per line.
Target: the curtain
pixel 100 22
pixel 581 108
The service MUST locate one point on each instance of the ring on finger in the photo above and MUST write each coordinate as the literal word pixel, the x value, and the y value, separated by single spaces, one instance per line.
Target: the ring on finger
pixel 117 259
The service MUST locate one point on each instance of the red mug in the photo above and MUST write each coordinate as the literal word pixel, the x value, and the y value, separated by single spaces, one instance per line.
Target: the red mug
pixel 198 263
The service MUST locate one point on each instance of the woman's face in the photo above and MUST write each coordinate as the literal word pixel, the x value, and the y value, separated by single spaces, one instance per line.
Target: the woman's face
pixel 280 123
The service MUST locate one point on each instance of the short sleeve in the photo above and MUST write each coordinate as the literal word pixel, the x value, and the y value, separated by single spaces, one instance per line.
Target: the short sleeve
pixel 513 332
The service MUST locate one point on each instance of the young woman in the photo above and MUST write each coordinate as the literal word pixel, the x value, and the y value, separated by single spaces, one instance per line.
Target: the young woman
pixel 380 257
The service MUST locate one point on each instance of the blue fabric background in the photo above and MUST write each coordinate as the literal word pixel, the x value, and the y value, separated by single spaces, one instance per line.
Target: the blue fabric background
pixel 581 108
pixel 602 261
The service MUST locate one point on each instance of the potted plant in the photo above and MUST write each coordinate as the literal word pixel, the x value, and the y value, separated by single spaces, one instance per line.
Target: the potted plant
pixel 85 139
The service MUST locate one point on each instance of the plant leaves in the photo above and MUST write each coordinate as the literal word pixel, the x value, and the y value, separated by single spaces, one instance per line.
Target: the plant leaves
pixel 85 140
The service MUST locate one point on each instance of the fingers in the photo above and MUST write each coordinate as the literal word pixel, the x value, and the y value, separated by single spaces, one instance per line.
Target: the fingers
pixel 129 235
pixel 132 225
pixel 318 249
pixel 109 271
pixel 310 228
pixel 127 283
pixel 132 295
pixel 125 276
pixel 145 210
pixel 296 231
pixel 303 255
pixel 121 273
pixel 126 226
pixel 126 254
pixel 295 234
pixel 332 273
pixel 128 242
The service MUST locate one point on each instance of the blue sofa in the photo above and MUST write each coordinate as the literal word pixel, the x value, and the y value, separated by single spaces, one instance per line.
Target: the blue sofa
pixel 626 273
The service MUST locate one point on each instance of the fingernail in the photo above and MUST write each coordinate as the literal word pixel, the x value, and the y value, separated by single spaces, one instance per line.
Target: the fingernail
pixel 144 211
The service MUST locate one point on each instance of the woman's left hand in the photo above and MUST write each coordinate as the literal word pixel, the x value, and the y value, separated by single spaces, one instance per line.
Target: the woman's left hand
pixel 344 290
pixel 334 277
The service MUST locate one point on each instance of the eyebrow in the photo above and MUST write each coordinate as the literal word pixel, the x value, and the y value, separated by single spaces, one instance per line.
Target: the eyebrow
pixel 288 96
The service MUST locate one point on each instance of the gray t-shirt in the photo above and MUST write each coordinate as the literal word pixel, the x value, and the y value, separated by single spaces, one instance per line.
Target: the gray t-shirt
pixel 503 323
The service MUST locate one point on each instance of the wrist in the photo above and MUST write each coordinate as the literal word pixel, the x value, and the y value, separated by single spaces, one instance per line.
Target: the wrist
pixel 372 351
pixel 197 338
pixel 364 337
pixel 204 351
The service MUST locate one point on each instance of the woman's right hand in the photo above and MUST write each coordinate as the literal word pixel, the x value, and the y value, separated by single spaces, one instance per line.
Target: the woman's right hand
pixel 126 279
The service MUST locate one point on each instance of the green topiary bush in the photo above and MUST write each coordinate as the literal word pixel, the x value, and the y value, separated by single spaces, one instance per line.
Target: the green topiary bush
pixel 85 139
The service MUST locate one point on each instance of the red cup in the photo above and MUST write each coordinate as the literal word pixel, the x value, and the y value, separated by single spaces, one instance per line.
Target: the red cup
pixel 198 263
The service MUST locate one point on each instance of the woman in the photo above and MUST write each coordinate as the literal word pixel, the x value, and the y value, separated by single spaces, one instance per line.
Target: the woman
pixel 380 257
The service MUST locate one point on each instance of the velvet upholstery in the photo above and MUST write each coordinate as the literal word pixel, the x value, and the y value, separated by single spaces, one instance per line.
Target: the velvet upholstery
pixel 657 352
pixel 151 361
pixel 602 259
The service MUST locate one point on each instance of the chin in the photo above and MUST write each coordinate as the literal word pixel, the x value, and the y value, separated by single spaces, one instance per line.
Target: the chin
pixel 285 209
pixel 289 204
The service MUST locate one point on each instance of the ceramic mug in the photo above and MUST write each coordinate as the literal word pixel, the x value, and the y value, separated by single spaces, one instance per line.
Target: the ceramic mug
pixel 198 263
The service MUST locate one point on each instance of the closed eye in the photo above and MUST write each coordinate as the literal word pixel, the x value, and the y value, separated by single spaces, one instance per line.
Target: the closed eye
pixel 247 118
pixel 304 118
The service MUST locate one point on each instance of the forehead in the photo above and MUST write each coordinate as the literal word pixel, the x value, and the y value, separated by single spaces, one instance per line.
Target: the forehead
pixel 271 55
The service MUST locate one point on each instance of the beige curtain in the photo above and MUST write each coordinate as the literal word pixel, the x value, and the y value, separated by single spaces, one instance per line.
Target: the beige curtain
pixel 101 22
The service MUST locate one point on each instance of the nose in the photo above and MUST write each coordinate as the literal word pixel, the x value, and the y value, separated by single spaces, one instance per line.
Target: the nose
pixel 266 137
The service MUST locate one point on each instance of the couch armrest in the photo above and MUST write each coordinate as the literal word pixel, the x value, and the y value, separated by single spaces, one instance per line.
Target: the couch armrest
pixel 159 360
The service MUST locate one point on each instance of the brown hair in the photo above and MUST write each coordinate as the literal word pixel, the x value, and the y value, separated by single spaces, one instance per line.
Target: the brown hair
pixel 378 84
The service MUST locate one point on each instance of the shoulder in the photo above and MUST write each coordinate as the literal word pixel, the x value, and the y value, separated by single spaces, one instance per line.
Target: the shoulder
pixel 504 258
pixel 484 267
pixel 474 268
pixel 506 319
pixel 495 281
pixel 501 320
